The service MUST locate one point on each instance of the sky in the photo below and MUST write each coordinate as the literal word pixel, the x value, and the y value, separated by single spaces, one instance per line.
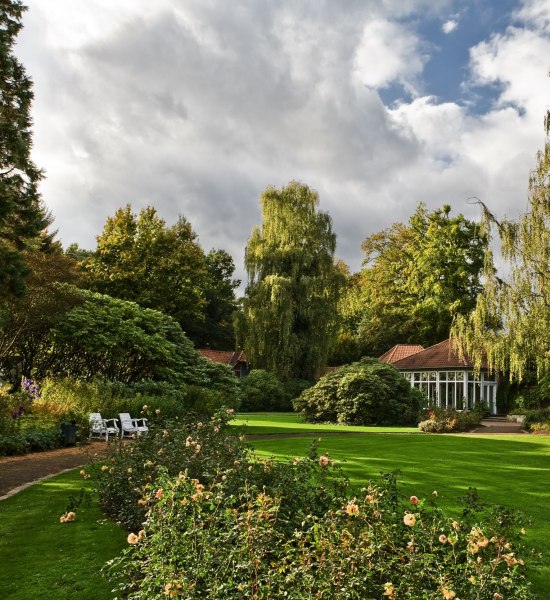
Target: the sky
pixel 196 106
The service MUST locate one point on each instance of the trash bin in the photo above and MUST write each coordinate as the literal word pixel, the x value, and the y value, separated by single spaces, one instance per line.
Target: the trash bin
pixel 68 433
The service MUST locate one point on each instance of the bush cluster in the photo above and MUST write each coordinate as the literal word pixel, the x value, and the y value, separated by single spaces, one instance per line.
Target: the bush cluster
pixel 34 439
pixel 73 400
pixel 213 539
pixel 367 392
pixel 450 421
pixel 262 390
pixel 200 448
pixel 538 420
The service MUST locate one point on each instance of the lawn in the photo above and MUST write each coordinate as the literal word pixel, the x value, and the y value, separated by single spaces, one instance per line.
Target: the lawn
pixel 41 556
pixel 509 470
pixel 273 423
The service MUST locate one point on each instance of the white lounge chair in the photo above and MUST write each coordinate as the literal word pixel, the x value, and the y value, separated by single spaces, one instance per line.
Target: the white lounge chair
pixel 129 426
pixel 100 427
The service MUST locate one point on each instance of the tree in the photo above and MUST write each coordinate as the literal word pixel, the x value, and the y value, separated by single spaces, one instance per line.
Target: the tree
pixel 510 325
pixel 22 216
pixel 418 277
pixel 24 339
pixel 216 331
pixel 139 258
pixel 289 311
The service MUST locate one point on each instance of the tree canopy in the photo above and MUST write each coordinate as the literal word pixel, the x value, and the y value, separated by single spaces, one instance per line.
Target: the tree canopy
pixel 510 326
pixel 121 341
pixel 417 277
pixel 289 311
pixel 22 216
pixel 140 258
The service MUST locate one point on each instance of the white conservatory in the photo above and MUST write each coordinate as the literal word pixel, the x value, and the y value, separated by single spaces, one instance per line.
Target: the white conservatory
pixel 447 381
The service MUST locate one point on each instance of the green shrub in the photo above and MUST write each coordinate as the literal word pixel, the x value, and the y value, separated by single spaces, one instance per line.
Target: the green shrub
pixel 30 440
pixel 367 392
pixel 540 416
pixel 447 421
pixel 211 540
pixel 540 427
pixel 263 391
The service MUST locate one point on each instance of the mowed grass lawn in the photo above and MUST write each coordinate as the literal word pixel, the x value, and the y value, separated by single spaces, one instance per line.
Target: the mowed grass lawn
pixel 39 556
pixel 512 470
pixel 43 558
pixel 273 423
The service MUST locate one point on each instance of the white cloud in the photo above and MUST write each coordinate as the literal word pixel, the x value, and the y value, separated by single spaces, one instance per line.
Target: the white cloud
pixel 388 52
pixel 195 106
pixel 449 26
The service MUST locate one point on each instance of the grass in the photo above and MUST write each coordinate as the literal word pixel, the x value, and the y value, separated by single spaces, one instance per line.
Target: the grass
pixel 274 423
pixel 42 557
pixel 509 470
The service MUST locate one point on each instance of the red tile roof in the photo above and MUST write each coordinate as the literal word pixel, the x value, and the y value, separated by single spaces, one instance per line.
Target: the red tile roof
pixel 440 356
pixel 400 351
pixel 227 357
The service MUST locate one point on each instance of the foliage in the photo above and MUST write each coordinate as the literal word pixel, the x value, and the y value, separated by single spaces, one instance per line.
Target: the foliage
pixel 263 391
pixel 417 278
pixel 22 216
pixel 450 421
pixel 200 448
pixel 120 341
pixel 71 399
pixel 25 336
pixel 538 419
pixel 216 330
pixel 348 347
pixel 141 259
pixel 289 312
pixel 367 392
pixel 212 540
pixel 510 326
pixel 35 439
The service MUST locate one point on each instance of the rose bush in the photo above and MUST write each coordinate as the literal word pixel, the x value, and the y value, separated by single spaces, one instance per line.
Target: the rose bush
pixel 212 540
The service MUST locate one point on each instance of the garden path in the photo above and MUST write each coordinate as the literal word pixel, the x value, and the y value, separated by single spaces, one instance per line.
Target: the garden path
pixel 18 472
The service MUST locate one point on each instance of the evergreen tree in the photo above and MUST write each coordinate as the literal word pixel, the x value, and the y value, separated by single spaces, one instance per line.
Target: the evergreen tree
pixel 288 320
pixel 510 325
pixel 22 217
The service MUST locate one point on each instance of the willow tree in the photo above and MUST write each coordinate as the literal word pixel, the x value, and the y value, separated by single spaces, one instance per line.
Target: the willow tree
pixel 510 324
pixel 289 311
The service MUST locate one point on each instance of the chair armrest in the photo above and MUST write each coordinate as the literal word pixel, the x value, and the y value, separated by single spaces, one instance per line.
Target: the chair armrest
pixel 114 421
pixel 135 422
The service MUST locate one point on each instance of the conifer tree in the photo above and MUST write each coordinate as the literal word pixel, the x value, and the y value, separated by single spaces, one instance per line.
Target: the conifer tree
pixel 22 217
pixel 289 311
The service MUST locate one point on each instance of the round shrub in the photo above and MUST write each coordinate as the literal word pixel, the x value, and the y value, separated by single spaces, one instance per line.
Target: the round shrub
pixel 367 392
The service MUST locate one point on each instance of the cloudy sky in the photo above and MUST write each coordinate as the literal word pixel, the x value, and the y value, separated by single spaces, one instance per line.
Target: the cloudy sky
pixel 196 106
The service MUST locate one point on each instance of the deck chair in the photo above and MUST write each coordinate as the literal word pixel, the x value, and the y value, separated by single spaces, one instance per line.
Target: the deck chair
pixel 129 426
pixel 100 427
